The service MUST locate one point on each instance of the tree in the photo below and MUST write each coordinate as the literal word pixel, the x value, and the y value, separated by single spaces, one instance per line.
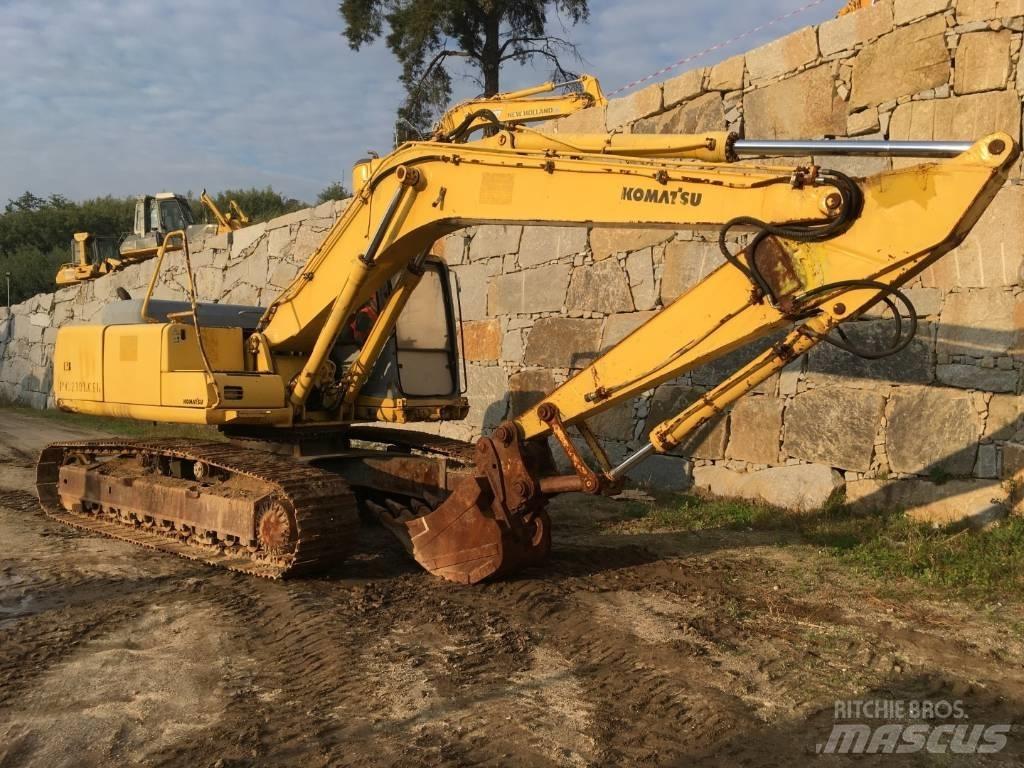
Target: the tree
pixel 333 191
pixel 425 34
pixel 24 202
pixel 35 235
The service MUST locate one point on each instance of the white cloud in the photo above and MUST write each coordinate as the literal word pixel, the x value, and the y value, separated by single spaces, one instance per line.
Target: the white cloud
pixel 105 97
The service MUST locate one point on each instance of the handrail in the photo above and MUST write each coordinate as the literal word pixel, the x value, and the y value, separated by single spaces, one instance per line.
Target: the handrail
pixel 177 233
pixel 194 312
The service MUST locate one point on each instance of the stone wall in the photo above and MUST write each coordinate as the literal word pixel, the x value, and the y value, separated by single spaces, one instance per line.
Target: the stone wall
pixel 933 429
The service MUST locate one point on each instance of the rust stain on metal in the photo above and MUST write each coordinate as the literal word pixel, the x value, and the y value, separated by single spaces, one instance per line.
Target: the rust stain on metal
pixel 775 265
pixel 493 522
pixel 548 413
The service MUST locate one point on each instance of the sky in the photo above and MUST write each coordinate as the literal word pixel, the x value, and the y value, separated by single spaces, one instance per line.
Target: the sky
pixel 110 97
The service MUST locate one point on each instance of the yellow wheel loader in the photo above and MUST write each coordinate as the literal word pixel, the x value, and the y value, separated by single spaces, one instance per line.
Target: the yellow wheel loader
pixel 155 215
pixel 320 390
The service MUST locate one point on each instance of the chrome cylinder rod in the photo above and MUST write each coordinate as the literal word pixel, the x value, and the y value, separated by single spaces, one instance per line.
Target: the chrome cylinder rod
pixel 632 461
pixel 850 147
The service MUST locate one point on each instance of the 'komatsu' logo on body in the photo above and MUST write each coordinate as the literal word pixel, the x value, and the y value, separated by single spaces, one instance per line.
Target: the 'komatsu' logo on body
pixel 666 196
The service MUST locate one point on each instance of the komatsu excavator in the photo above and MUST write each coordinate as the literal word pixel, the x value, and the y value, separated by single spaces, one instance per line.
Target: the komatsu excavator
pixel 317 390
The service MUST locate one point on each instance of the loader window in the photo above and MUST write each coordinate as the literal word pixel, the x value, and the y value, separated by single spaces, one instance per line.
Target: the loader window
pixel 171 216
pixel 424 339
pixel 104 248
pixel 140 218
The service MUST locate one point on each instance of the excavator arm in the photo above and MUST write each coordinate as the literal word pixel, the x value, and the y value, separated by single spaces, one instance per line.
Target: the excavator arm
pixel 234 219
pixel 518 107
pixel 822 249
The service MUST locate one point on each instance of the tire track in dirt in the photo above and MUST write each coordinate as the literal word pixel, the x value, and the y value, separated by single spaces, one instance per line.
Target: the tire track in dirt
pixel 621 650
pixel 647 705
pixel 305 638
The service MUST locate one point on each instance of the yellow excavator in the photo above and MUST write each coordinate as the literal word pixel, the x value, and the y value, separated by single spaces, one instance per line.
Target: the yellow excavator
pixel 518 107
pixel 234 219
pixel 155 215
pixel 319 390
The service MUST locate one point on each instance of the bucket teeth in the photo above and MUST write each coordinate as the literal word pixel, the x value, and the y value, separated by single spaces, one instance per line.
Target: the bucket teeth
pixel 399 512
pixel 433 499
pixel 461 540
pixel 376 508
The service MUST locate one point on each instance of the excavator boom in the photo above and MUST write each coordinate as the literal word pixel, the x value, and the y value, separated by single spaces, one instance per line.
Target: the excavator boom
pixel 821 248
pixel 226 222
pixel 824 249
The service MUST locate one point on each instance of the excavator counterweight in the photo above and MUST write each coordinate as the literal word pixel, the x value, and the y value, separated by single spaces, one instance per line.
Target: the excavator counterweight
pixel 327 381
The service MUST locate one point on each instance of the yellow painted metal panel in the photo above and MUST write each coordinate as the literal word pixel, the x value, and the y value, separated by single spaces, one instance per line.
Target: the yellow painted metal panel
pixel 191 389
pixel 280 417
pixel 78 363
pixel 131 363
pixel 181 352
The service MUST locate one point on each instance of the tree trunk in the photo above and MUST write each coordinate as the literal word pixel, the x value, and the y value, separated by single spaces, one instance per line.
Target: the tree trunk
pixel 491 64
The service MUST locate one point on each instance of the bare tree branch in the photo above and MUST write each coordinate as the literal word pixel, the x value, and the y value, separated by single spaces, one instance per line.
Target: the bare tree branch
pixel 440 57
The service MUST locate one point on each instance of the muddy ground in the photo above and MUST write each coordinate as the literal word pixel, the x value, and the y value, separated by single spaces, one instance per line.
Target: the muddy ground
pixel 722 648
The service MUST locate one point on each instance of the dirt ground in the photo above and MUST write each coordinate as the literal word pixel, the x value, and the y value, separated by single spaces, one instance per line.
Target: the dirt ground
pixel 628 649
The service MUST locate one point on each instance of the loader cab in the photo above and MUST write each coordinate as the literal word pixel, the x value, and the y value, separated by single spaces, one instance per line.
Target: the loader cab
pixel 161 213
pixel 155 216
pixel 91 256
pixel 99 250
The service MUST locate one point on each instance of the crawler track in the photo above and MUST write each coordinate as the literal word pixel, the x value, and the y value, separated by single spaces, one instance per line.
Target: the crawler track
pixel 321 508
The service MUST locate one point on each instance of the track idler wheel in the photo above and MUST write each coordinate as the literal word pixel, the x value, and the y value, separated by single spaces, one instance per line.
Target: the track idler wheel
pixel 464 540
pixel 275 530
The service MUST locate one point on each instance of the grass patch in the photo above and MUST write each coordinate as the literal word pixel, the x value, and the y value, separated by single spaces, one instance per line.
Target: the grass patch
pixel 987 564
pixel 120 427
pixel 692 513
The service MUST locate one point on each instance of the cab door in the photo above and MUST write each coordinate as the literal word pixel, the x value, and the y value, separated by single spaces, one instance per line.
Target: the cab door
pixel 425 346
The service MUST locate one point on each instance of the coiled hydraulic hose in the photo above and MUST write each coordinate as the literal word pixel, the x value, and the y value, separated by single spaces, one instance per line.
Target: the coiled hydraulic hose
pixel 900 339
pixel 811 231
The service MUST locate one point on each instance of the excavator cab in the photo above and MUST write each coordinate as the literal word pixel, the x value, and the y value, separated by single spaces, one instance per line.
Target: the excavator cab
pixel 197 372
pixel 417 376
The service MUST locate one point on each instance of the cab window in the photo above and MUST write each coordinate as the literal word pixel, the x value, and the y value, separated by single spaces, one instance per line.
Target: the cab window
pixel 171 216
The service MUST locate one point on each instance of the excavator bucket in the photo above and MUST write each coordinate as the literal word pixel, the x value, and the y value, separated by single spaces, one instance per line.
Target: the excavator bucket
pixel 463 540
